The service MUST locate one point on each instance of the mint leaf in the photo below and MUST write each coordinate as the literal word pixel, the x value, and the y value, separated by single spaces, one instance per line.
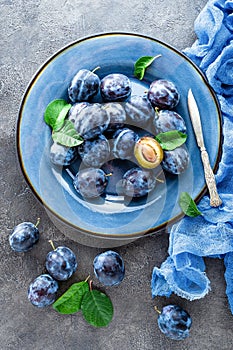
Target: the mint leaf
pixel 141 64
pixel 67 135
pixel 70 301
pixel 188 205
pixel 55 113
pixel 97 308
pixel 170 140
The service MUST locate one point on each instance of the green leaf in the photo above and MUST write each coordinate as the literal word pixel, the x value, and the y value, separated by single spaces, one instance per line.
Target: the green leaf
pixel 188 205
pixel 97 308
pixel 55 113
pixel 170 140
pixel 70 301
pixel 61 117
pixel 67 135
pixel 141 64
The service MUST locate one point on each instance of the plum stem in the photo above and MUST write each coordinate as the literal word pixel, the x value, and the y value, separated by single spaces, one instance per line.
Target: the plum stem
pixel 37 223
pixel 87 278
pixel 157 310
pixel 90 285
pixel 53 246
pixel 95 69
pixel 158 179
pixel 157 111
pixel 109 174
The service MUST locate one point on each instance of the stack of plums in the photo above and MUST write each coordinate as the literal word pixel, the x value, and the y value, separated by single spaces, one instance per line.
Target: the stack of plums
pixel 120 126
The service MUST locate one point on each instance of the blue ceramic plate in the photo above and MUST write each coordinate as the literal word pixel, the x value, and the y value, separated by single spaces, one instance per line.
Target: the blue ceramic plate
pixel 112 215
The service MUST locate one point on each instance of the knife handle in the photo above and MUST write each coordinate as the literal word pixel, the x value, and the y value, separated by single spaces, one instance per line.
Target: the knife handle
pixel 215 200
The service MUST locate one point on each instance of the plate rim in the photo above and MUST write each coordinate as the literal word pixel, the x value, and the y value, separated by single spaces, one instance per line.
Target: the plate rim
pixel 149 231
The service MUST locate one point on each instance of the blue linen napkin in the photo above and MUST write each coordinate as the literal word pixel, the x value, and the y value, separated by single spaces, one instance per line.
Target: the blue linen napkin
pixel 210 235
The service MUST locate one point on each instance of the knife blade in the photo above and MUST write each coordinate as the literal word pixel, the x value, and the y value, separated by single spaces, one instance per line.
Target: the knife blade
pixel 215 200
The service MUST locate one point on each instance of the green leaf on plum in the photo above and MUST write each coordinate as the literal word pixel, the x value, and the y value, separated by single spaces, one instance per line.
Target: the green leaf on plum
pixel 56 112
pixel 188 205
pixel 67 135
pixel 141 64
pixel 70 301
pixel 170 140
pixel 97 308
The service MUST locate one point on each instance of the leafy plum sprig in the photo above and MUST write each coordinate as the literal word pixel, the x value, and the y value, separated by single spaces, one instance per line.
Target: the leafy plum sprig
pixel 96 306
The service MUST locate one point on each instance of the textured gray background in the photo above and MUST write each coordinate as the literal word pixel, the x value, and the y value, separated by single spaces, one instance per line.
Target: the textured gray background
pixel 30 32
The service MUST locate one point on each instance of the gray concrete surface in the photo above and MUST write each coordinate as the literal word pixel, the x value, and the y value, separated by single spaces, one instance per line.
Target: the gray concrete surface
pixel 30 32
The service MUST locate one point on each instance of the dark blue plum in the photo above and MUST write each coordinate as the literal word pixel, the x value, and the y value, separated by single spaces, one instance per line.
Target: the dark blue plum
pixel 109 268
pixel 163 94
pixel 123 143
pixel 42 291
pixel 139 111
pixel 24 236
pixel 84 85
pixel 117 115
pixel 166 120
pixel 91 121
pixel 76 109
pixel 137 182
pixel 175 161
pixel 61 263
pixel 90 182
pixel 115 87
pixel 94 152
pixel 62 155
pixel 174 322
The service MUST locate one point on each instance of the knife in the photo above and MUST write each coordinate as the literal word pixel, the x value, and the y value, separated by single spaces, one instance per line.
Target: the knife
pixel 215 200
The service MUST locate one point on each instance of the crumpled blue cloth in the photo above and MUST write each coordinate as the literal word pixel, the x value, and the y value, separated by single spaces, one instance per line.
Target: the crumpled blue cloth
pixel 209 235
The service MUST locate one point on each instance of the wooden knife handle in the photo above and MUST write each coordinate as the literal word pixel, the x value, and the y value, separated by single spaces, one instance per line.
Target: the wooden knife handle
pixel 215 200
